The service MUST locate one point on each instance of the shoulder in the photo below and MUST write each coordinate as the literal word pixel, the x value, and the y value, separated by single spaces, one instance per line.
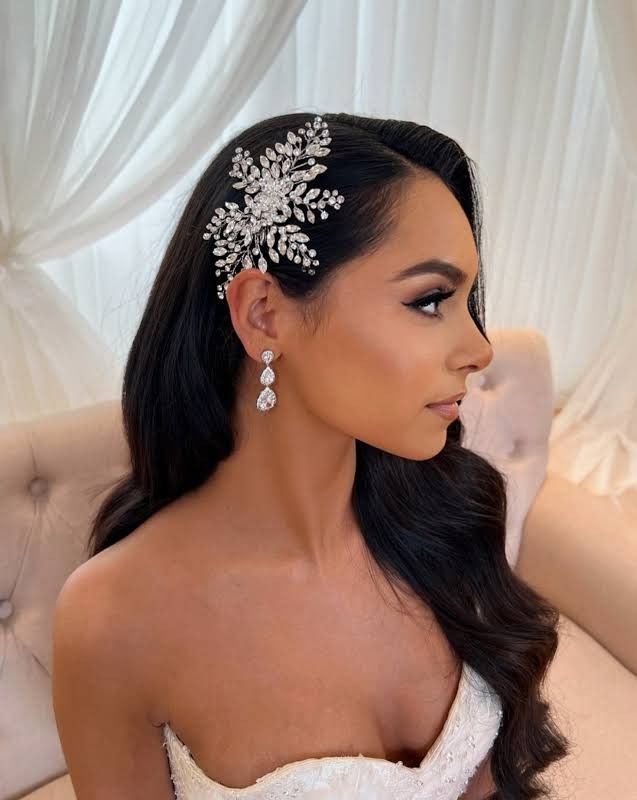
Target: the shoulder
pixel 103 692
pixel 107 616
pixel 97 613
pixel 133 602
pixel 127 574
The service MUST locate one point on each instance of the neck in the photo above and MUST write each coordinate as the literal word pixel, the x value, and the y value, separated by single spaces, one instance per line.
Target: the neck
pixel 288 484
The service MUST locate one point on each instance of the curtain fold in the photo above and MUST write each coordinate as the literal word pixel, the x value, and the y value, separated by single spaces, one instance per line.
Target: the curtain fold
pixel 616 29
pixel 594 437
pixel 91 95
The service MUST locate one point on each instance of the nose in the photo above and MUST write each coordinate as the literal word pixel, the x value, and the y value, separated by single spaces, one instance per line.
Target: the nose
pixel 486 356
pixel 481 356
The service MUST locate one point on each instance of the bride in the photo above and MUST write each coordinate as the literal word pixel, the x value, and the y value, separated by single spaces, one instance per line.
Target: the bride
pixel 300 588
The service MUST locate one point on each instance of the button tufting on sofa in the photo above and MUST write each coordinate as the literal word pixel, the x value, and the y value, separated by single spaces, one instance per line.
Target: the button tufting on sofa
pixel 517 448
pixel 38 486
pixel 6 609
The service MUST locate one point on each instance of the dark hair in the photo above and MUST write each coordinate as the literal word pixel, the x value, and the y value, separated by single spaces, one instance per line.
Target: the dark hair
pixel 437 525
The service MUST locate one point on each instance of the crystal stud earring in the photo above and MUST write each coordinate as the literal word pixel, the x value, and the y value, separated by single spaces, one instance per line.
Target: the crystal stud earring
pixel 267 399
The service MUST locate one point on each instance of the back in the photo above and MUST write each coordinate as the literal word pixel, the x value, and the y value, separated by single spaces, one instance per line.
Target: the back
pixel 101 696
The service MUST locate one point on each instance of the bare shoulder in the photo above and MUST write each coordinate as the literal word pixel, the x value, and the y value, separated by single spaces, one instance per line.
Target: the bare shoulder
pixel 121 598
pixel 102 698
pixel 101 611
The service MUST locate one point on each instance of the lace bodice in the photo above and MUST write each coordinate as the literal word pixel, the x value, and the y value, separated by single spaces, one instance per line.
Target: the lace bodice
pixel 464 742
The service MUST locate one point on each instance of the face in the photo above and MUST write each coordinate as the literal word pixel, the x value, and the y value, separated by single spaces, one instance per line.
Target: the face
pixel 387 346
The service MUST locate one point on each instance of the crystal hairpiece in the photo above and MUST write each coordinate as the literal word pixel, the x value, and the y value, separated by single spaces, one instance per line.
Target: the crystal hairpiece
pixel 272 195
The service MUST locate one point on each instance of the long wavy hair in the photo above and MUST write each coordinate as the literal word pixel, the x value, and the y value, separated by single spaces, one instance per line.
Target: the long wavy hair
pixel 437 525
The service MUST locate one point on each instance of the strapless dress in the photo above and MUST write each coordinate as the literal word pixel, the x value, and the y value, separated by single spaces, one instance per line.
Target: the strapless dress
pixel 468 734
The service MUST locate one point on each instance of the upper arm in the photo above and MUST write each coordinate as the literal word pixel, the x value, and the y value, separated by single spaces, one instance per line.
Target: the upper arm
pixel 481 784
pixel 111 746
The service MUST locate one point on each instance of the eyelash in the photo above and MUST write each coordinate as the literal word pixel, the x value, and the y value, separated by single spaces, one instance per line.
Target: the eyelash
pixel 436 297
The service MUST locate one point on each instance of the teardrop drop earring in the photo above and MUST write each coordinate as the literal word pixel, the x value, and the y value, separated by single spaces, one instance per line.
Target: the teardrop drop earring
pixel 267 399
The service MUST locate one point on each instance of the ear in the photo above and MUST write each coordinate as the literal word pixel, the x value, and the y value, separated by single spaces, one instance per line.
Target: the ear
pixel 256 305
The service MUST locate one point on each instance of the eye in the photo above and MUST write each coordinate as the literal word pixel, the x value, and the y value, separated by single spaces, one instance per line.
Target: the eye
pixel 433 299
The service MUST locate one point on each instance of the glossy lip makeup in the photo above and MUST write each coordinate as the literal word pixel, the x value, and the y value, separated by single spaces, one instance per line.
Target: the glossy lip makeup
pixel 447 410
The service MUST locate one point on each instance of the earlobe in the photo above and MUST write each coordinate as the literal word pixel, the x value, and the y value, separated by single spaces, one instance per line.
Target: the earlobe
pixel 247 299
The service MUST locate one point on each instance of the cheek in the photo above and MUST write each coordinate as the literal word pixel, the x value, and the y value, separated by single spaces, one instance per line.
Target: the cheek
pixel 376 375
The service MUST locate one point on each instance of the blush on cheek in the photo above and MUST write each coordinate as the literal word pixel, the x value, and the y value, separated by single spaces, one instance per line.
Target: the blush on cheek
pixel 375 366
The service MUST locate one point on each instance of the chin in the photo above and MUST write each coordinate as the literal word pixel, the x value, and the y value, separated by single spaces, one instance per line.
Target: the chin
pixel 417 447
pixel 430 449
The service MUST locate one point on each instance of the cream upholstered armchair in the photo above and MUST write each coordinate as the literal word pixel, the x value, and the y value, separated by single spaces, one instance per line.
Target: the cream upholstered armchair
pixel 575 548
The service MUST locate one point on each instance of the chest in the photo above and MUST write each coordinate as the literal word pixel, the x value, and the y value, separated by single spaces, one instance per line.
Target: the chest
pixel 258 673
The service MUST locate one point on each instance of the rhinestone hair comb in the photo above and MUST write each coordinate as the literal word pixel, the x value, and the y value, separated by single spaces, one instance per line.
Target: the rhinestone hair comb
pixel 272 195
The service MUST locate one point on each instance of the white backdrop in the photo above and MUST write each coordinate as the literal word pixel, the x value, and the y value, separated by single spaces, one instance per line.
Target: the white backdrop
pixel 105 105
pixel 109 143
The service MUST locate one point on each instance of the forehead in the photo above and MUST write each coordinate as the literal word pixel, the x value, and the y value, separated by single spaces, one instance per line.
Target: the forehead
pixel 428 223
pixel 431 223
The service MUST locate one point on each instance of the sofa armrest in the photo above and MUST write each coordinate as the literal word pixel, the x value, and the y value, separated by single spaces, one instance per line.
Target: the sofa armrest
pixel 580 552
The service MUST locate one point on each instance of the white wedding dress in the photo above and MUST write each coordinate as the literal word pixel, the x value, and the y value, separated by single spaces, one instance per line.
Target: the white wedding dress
pixel 464 742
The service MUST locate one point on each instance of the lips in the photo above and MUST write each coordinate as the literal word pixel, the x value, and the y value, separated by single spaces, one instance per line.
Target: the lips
pixel 449 400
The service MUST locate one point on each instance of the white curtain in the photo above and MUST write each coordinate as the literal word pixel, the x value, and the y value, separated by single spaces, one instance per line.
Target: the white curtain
pixel 594 437
pixel 524 87
pixel 616 26
pixel 104 106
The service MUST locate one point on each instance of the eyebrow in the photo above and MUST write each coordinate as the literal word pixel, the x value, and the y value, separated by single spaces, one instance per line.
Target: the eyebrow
pixel 433 265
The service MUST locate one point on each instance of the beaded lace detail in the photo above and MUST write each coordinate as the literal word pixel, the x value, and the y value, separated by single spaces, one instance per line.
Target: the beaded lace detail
pixel 464 742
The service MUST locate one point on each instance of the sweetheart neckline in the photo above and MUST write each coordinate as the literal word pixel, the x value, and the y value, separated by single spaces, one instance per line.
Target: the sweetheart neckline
pixel 376 760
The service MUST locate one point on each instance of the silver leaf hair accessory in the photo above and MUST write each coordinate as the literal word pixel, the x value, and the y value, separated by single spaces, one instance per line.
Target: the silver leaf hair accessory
pixel 272 195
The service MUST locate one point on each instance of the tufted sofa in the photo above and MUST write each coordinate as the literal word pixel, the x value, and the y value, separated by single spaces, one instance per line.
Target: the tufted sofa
pixel 576 549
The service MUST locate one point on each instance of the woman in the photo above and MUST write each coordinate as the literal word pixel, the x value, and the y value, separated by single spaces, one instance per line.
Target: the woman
pixel 292 469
